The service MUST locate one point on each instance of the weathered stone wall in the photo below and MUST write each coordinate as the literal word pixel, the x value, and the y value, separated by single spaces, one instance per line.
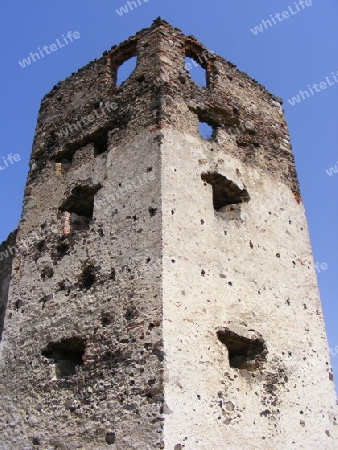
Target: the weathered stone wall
pixel 252 276
pixel 131 296
pixel 100 286
pixel 81 362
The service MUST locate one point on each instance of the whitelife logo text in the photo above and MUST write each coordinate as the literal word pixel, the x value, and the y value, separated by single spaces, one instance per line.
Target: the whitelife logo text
pixel 10 160
pixel 316 87
pixel 300 6
pixel 32 57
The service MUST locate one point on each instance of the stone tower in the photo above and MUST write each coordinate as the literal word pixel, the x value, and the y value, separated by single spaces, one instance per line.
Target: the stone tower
pixel 162 292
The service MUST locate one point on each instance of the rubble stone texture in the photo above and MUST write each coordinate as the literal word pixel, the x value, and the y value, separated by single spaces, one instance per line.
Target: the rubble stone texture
pixel 163 293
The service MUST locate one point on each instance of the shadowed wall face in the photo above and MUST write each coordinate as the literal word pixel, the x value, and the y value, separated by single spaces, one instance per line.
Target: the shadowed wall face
pixel 84 320
pixel 7 253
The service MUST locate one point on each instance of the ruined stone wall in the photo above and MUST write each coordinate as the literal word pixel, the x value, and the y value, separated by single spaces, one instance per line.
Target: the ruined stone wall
pixel 247 361
pixel 163 293
pixel 242 321
pixel 82 356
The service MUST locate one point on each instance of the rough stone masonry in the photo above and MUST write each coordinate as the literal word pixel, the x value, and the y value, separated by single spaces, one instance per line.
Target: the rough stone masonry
pixel 181 314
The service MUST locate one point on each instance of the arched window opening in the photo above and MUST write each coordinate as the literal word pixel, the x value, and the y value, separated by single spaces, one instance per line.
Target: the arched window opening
pixel 196 70
pixel 125 70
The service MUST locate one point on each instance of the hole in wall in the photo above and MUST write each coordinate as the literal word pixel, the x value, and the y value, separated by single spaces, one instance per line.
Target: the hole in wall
pixel 141 78
pixel 41 246
pixel 80 206
pixel 227 196
pixel 99 139
pixel 100 142
pixel 152 211
pixel 207 126
pixel 197 72
pixel 106 319
pixel 81 201
pixel 206 131
pixel 61 285
pixel 110 438
pixel 244 353
pixel 65 158
pixel 125 70
pixel 18 304
pixel 61 249
pixel 66 354
pixel 87 277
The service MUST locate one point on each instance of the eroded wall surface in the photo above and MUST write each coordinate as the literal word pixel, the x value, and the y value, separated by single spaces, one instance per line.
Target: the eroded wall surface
pixel 82 354
pixel 253 277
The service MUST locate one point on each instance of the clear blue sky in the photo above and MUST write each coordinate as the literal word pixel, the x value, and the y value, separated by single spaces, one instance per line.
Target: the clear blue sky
pixel 292 54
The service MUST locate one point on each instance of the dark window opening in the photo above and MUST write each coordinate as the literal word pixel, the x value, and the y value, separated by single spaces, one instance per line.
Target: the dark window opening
pixel 66 354
pixel 88 277
pixel 66 156
pixel 125 70
pixel 244 353
pixel 100 141
pixel 227 196
pixel 80 206
pixel 152 211
pixel 196 70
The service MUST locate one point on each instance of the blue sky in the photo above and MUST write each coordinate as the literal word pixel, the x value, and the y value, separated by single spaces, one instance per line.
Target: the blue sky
pixel 287 57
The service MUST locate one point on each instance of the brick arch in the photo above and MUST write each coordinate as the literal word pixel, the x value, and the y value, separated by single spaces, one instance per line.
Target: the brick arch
pixel 120 54
pixel 196 51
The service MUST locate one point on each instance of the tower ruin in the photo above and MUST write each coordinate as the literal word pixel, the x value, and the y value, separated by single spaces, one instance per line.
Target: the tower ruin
pixel 162 293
